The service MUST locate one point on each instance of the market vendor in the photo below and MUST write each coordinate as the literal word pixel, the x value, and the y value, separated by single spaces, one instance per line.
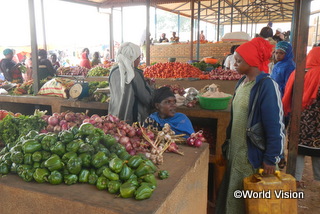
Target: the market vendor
pixel 85 62
pixel 164 102
pixel 45 66
pixel 130 94
pixel 9 68
pixel 174 38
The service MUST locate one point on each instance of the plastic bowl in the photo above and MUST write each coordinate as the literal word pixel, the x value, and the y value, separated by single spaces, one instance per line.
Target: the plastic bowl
pixel 214 103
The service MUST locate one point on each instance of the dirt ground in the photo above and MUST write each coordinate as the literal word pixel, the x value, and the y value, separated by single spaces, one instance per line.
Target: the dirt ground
pixel 311 202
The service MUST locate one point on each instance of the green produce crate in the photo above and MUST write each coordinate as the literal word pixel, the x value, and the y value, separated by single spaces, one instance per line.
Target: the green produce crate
pixel 214 103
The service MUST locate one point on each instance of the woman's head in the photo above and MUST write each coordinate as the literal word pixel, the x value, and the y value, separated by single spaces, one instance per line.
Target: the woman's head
pixel 8 53
pixel 233 48
pixel 53 57
pixel 255 53
pixel 86 50
pixel 283 51
pixel 165 102
pixel 42 53
pixel 313 58
pixel 96 55
pixel 129 53
pixel 266 32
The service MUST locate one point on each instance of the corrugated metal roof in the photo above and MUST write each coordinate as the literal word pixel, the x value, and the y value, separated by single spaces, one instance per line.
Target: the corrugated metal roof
pixel 226 11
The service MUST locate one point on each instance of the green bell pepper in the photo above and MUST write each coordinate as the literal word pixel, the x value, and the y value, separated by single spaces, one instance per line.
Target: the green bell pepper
pixel 163 174
pixel 48 141
pixel 40 175
pixel 85 147
pixel 127 190
pixel 59 148
pixel 86 159
pixel 108 140
pixel 70 179
pixel 74 165
pixel 27 159
pixel 84 176
pixel 100 170
pixel 16 148
pixel 114 187
pixel 74 145
pixel 86 129
pixel 39 137
pixel 36 165
pixel 45 155
pixel 116 164
pixel 110 175
pixel 17 157
pixel 67 156
pixel 55 178
pixel 124 155
pixel 143 192
pixel 53 163
pixel 133 181
pixel 93 177
pixel 27 174
pixel 31 134
pixel 31 146
pixel 66 136
pixel 143 169
pixel 99 159
pixel 93 139
pixel 102 183
pixel 135 161
pixel 150 178
pixel 125 173
pixel 4 150
pixel 151 164
pixel 4 169
pixel 22 167
pixel 74 130
pixel 37 156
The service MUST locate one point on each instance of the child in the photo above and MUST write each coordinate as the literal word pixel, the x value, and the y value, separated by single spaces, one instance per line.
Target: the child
pixel 244 158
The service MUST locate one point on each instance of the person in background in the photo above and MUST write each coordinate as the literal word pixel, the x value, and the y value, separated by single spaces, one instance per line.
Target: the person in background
pixel 244 158
pixel 202 38
pixel 278 36
pixel 54 61
pixel 28 75
pixel 284 66
pixel 130 94
pixel 229 62
pixel 85 62
pixel 266 32
pixel 164 102
pixel 9 68
pixel 96 59
pixel 174 38
pixel 45 66
pixel 309 134
pixel 163 38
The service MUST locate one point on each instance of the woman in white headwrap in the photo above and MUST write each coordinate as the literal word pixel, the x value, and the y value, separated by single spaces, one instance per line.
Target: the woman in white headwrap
pixel 130 94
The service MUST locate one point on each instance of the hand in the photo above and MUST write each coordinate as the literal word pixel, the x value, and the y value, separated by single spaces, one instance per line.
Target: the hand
pixel 268 169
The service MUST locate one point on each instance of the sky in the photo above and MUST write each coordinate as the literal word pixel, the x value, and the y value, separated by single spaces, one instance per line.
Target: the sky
pixel 76 25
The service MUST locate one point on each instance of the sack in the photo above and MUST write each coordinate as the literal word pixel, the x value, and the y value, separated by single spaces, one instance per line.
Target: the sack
pixel 256 135
pixel 225 148
pixel 57 87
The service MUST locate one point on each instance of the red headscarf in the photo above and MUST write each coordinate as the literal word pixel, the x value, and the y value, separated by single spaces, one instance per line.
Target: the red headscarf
pixel 311 82
pixel 256 53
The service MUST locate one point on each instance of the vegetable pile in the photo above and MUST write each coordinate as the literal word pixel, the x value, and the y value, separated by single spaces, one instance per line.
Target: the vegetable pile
pixel 73 70
pixel 98 71
pixel 84 155
pixel 222 74
pixel 172 70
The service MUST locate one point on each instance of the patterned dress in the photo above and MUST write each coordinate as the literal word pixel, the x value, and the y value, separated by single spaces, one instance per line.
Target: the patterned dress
pixel 239 166
pixel 309 143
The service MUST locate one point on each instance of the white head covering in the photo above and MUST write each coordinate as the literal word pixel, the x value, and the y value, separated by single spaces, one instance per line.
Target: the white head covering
pixel 127 54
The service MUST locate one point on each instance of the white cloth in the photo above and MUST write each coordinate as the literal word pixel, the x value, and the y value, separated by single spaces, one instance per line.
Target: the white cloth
pixel 127 54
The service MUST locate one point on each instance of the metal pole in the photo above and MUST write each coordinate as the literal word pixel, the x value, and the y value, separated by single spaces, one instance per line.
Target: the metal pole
pixel 111 34
pixel 301 14
pixel 218 28
pixel 121 25
pixel 179 23
pixel 43 27
pixel 34 48
pixel 155 22
pixel 192 26
pixel 148 32
pixel 198 26
pixel 231 20
pixel 317 29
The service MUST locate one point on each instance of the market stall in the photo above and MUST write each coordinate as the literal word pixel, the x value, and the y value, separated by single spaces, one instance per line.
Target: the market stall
pixel 188 181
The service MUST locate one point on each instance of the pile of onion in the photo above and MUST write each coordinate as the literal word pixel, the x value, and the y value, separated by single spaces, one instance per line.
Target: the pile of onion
pixel 196 139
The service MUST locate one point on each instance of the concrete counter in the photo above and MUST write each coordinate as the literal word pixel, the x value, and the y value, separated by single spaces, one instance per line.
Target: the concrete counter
pixel 185 191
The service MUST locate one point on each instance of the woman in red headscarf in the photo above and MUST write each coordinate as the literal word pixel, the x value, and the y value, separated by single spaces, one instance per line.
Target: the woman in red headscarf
pixel 244 157
pixel 309 136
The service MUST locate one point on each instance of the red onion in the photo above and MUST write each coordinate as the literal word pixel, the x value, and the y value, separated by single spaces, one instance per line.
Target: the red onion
pixel 62 122
pixel 98 119
pixel 190 141
pixel 132 152
pixel 45 117
pixel 43 131
pixel 69 116
pixel 56 115
pixel 131 132
pixel 150 134
pixel 50 128
pixel 57 129
pixel 86 120
pixel 52 120
pixel 64 126
pixel 124 140
pixel 128 146
pixel 197 143
pixel 92 121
